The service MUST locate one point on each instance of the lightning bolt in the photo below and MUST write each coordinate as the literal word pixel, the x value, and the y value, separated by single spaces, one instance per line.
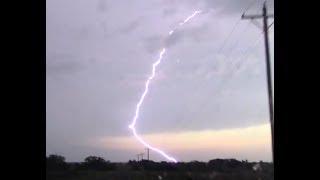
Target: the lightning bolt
pixel 185 21
pixel 136 116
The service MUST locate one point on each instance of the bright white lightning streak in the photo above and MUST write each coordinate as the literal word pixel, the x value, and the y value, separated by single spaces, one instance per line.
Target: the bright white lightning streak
pixel 154 66
pixel 190 17
pixel 147 88
pixel 185 21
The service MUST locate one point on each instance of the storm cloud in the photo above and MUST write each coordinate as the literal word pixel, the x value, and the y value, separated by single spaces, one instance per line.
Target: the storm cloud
pixel 100 52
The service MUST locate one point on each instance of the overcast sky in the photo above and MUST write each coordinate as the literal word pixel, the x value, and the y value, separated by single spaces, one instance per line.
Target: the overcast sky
pixel 100 52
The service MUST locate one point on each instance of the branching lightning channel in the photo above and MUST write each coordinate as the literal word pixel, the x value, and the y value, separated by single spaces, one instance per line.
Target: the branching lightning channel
pixel 136 116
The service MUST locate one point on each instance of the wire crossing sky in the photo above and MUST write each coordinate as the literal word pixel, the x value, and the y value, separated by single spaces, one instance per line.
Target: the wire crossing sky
pixel 154 66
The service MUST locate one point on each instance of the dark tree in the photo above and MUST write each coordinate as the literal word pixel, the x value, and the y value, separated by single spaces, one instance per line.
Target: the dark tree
pixel 226 165
pixel 97 163
pixel 134 165
pixel 56 162
pixel 94 159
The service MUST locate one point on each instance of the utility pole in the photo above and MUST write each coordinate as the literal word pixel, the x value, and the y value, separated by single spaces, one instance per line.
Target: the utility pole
pixel 148 153
pixel 265 17
pixel 141 156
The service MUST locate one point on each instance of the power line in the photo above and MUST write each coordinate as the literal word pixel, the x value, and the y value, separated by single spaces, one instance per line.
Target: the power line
pixel 250 5
pixel 244 53
pixel 223 45
pixel 242 58
pixel 231 65
pixel 226 59
pixel 238 39
pixel 232 31
pixel 244 31
pixel 236 64
pixel 229 74
pixel 271 24
pixel 228 37
pixel 234 27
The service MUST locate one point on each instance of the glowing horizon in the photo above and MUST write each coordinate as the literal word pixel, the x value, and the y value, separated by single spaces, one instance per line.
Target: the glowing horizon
pixel 227 142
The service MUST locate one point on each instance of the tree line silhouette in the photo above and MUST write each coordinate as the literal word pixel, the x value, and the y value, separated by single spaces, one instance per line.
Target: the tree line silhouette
pixel 58 163
pixel 97 168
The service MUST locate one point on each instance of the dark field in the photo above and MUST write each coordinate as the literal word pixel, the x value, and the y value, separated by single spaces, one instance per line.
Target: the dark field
pixel 95 168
